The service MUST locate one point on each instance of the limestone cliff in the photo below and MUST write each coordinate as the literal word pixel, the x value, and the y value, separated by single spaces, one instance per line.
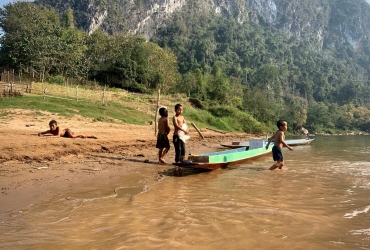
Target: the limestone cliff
pixel 304 19
pixel 138 16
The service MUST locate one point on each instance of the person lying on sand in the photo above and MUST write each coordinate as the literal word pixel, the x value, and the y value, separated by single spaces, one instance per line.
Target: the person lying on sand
pixel 56 131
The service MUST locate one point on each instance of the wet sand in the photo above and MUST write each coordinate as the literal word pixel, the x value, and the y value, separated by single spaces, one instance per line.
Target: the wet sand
pixel 33 168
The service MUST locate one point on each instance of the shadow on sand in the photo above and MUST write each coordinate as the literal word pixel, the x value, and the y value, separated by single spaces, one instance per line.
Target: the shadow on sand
pixel 172 171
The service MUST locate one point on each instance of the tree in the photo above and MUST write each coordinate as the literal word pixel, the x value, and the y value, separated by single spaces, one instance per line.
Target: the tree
pixel 164 62
pixel 31 37
pixel 265 76
pixel 319 117
pixel 68 20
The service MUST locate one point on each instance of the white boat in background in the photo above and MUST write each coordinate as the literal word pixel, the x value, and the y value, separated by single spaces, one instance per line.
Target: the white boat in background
pixel 293 142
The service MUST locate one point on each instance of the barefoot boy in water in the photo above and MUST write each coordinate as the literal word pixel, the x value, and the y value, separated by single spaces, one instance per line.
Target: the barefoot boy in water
pixel 163 143
pixel 56 131
pixel 178 122
pixel 279 142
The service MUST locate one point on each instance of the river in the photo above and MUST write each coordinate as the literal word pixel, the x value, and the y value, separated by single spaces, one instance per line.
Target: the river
pixel 320 200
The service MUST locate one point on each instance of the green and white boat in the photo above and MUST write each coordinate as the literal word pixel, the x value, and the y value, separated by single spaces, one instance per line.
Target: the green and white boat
pixel 222 159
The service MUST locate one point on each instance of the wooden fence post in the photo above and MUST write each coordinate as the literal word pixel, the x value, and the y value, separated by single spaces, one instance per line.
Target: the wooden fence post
pixel 103 96
pixel 77 93
pixel 156 112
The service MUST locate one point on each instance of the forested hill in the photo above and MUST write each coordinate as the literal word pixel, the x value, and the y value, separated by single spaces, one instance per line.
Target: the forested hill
pixel 307 61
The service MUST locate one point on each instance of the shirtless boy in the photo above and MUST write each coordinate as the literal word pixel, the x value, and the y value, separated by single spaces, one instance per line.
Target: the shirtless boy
pixel 56 131
pixel 178 120
pixel 164 129
pixel 279 142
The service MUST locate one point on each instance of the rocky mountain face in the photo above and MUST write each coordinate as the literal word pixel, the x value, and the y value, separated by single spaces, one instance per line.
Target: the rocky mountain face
pixel 349 20
pixel 142 17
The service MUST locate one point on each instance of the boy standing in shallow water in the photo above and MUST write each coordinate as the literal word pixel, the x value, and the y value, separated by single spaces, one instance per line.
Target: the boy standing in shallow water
pixel 164 129
pixel 178 121
pixel 55 130
pixel 279 142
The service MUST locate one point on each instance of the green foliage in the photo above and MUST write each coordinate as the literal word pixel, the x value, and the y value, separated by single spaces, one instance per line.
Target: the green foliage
pixel 277 76
pixel 222 111
pixel 57 79
pixel 30 36
pixel 69 21
pixel 227 119
pixel 196 103
pixel 35 40
pixel 130 62
pixel 324 117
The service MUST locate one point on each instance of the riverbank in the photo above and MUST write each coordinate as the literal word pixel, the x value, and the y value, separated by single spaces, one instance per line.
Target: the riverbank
pixel 35 168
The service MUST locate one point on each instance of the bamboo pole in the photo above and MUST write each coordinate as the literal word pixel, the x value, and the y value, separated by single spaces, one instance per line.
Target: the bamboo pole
pixel 196 128
pixel 218 131
pixel 156 112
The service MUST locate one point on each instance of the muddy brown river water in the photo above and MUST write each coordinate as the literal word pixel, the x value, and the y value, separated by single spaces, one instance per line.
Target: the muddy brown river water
pixel 319 201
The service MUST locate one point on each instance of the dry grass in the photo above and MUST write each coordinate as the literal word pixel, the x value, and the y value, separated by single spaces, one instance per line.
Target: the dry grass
pixel 143 102
pixel 74 92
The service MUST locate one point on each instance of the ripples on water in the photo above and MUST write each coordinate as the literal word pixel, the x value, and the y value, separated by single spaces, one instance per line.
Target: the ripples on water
pixel 319 201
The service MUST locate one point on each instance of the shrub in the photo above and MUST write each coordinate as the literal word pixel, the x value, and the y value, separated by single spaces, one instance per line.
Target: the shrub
pixel 196 103
pixel 223 111
pixel 57 79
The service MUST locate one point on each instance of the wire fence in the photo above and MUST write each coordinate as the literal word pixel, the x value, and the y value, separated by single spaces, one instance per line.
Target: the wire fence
pixel 15 84
pixel 77 92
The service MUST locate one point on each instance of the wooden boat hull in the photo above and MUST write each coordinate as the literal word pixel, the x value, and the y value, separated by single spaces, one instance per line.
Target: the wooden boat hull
pixel 233 146
pixel 224 158
pixel 201 165
pixel 237 144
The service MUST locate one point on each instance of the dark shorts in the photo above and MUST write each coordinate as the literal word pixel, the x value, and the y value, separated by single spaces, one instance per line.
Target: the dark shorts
pixel 162 141
pixel 277 154
pixel 67 133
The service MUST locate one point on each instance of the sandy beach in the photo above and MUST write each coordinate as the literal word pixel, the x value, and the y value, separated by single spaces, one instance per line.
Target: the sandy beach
pixel 34 168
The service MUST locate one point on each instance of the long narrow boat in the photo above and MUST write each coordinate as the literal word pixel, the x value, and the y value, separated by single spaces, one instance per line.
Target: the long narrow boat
pixel 299 142
pixel 221 159
pixel 294 142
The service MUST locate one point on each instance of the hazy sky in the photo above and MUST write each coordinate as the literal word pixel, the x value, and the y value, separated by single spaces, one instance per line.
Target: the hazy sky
pixel 2 2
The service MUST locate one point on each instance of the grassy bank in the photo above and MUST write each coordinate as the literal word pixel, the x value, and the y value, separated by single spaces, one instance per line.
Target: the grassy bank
pixel 110 112
pixel 125 107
